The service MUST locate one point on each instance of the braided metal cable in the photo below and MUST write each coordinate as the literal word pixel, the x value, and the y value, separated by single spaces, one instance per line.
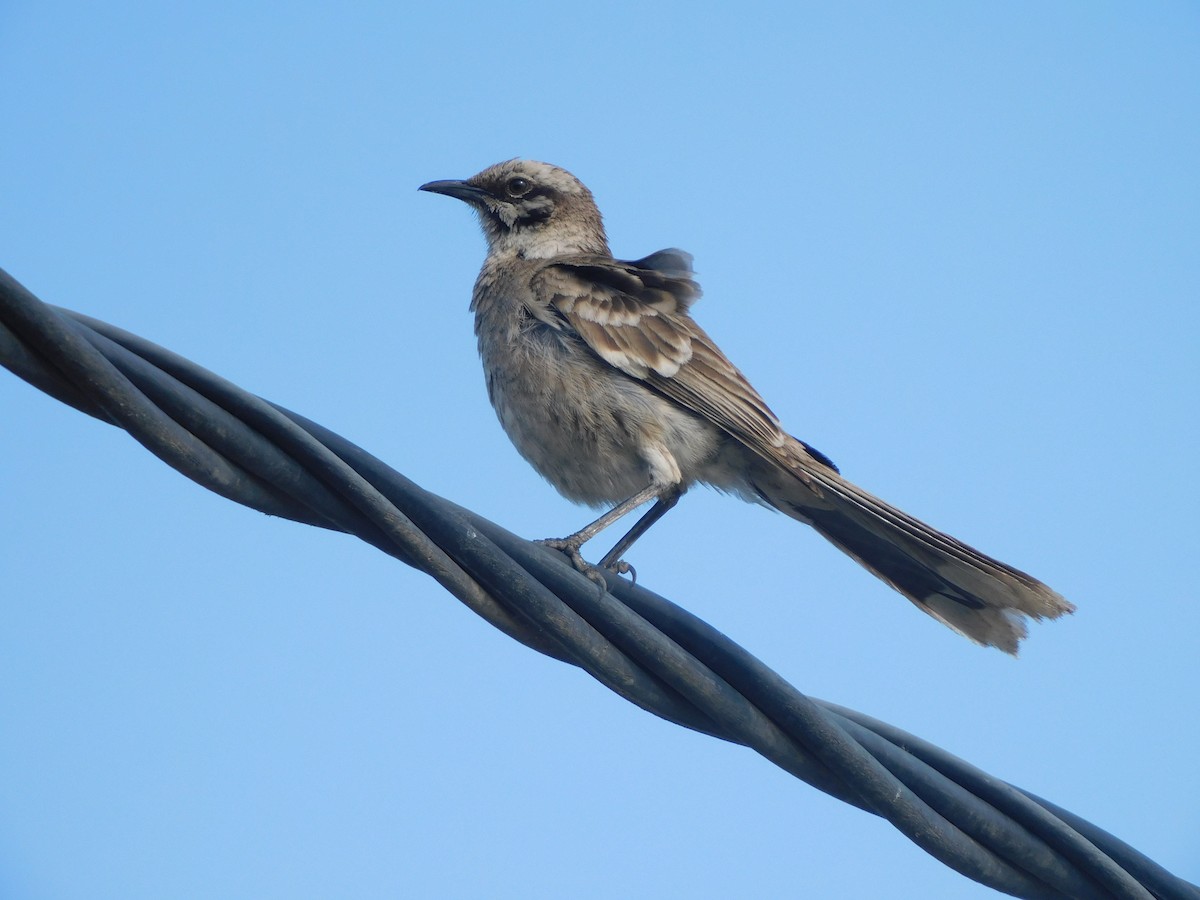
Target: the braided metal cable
pixel 642 646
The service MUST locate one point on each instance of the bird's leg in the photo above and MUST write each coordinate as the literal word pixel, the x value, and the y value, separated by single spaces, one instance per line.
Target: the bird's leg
pixel 612 559
pixel 571 544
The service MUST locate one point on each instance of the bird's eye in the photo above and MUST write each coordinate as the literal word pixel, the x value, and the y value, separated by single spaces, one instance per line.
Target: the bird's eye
pixel 518 186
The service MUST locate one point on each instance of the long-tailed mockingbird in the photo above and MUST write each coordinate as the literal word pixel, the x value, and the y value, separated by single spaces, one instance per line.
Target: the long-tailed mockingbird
pixel 609 388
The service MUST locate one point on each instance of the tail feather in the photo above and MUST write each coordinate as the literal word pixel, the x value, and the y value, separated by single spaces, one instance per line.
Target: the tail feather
pixel 976 595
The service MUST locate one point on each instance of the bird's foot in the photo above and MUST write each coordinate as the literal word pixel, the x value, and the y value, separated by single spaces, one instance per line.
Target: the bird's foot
pixel 570 548
pixel 619 567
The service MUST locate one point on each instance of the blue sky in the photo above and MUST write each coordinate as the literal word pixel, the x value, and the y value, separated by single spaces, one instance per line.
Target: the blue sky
pixel 954 246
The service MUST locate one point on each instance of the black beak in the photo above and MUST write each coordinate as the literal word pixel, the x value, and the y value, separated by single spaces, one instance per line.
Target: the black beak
pixel 460 189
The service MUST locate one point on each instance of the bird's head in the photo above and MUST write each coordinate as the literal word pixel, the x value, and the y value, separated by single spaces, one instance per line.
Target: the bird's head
pixel 531 209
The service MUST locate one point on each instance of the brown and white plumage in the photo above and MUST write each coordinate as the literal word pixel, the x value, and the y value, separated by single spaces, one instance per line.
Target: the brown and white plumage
pixel 610 389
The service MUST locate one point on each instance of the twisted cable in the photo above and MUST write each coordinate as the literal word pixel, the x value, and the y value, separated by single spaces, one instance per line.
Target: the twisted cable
pixel 640 645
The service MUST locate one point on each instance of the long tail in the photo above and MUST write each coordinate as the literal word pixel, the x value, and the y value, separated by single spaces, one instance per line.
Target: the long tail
pixel 977 596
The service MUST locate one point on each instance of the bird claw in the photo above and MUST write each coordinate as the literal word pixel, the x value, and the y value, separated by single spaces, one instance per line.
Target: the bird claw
pixel 570 549
pixel 620 567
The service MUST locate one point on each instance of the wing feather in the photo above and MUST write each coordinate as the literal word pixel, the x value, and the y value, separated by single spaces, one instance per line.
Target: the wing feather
pixel 634 316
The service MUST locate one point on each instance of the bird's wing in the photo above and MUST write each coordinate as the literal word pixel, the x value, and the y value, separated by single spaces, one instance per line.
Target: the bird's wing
pixel 633 315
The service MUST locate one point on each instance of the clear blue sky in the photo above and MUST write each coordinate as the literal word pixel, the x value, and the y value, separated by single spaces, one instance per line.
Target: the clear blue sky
pixel 954 245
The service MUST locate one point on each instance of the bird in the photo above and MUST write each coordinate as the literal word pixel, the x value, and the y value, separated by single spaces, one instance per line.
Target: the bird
pixel 609 388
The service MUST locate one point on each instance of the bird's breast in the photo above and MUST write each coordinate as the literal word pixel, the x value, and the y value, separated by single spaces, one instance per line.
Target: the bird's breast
pixel 596 434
